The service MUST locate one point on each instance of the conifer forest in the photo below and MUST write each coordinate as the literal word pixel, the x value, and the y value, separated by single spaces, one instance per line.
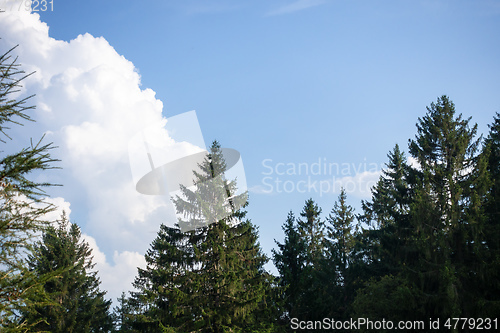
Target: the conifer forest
pixel 424 249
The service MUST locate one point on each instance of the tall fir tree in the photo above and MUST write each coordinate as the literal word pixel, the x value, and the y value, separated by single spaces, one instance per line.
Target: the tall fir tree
pixel 123 315
pixel 447 214
pixel 290 259
pixel 340 243
pixel 341 232
pixel 429 241
pixel 390 239
pixel 489 279
pixel 22 203
pixel 78 305
pixel 164 288
pixel 388 248
pixel 210 278
pixel 311 229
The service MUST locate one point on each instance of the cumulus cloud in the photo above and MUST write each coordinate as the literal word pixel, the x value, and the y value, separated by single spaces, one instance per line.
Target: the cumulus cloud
pixel 90 104
pixel 113 276
pixel 61 207
pixel 412 161
pixel 359 185
pixel 296 6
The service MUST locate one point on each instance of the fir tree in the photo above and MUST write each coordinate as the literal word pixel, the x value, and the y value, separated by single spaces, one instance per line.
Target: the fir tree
pixel 211 277
pixel 312 228
pixel 341 232
pixel 341 240
pixel 22 203
pixel 290 260
pixel 390 240
pixel 430 223
pixel 164 289
pixel 78 304
pixel 446 211
pixel 389 247
pixel 123 315
pixel 314 277
pixel 489 279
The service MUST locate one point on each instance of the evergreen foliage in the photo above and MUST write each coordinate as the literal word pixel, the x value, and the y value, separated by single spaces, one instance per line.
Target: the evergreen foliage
pixel 77 303
pixel 340 263
pixel 210 278
pixel 426 245
pixel 311 229
pixel 22 203
pixel 289 259
pixel 489 278
pixel 447 213
pixel 430 222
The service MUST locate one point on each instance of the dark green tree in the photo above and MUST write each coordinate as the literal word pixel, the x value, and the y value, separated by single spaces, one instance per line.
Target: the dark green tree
pixel 388 213
pixel 340 243
pixel 312 230
pixel 290 260
pixel 314 278
pixel 22 203
pixel 447 214
pixel 78 304
pixel 341 232
pixel 391 298
pixel 123 315
pixel 489 278
pixel 388 249
pixel 211 277
pixel 163 295
pixel 428 245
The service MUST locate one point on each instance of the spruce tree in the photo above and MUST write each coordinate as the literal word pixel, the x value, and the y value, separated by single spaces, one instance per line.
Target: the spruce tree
pixel 429 239
pixel 211 277
pixel 388 248
pixel 78 305
pixel 123 315
pixel 314 277
pixel 290 259
pixel 341 232
pixel 341 241
pixel 390 240
pixel 447 214
pixel 489 279
pixel 231 283
pixel 312 229
pixel 163 295
pixel 22 203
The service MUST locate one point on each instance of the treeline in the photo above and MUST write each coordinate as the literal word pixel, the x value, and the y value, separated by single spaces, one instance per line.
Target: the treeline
pixel 425 246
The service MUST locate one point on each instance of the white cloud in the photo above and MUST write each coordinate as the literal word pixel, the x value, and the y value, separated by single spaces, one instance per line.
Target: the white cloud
pixel 116 278
pixel 412 161
pixel 261 189
pixel 358 185
pixel 61 206
pixel 90 103
pixel 296 6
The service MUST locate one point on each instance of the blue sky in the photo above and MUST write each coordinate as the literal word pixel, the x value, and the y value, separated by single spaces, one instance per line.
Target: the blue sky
pixel 288 82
